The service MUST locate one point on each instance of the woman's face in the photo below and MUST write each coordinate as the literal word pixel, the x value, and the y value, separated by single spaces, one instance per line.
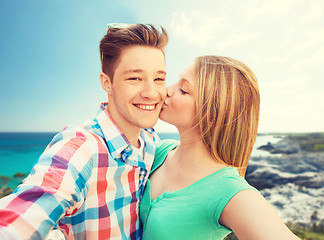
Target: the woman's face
pixel 179 106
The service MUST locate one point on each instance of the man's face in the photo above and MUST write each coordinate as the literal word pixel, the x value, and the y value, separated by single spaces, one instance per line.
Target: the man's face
pixel 138 90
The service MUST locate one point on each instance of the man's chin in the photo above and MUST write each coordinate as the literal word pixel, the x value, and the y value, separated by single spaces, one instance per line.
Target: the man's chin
pixel 149 125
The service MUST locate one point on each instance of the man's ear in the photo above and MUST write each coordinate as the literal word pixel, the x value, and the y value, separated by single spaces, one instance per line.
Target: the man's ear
pixel 105 82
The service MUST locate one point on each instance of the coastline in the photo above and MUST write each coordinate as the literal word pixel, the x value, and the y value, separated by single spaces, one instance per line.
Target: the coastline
pixel 291 178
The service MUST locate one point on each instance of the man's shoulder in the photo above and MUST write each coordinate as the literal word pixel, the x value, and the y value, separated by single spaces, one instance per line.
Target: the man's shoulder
pixel 77 135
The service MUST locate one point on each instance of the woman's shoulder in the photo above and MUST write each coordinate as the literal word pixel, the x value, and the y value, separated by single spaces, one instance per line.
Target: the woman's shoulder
pixel 229 182
pixel 161 151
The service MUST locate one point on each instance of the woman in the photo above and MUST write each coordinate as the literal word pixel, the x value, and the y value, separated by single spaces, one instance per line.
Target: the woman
pixel 196 188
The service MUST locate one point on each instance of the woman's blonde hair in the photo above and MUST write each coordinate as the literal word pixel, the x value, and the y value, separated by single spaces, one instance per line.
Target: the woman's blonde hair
pixel 227 106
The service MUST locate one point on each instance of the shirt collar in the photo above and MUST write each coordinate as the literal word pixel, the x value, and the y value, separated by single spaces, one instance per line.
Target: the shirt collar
pixel 116 141
pixel 112 134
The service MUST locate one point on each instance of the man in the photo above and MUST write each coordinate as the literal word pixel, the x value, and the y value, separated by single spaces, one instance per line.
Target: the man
pixel 90 179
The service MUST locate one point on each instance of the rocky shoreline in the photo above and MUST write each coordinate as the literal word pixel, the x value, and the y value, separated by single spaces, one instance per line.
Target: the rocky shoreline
pixel 291 179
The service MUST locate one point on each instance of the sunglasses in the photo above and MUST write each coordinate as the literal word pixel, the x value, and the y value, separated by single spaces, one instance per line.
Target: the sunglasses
pixel 118 25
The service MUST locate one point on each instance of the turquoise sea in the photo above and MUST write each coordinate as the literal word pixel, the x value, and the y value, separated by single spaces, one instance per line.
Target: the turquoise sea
pixel 19 151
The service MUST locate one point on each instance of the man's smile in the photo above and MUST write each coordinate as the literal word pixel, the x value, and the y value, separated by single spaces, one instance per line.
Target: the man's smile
pixel 147 107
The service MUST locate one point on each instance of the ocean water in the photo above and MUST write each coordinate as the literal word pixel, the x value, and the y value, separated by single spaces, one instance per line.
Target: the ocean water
pixel 19 151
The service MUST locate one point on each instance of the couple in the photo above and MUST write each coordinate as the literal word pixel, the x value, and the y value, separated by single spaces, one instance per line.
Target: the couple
pixel 92 182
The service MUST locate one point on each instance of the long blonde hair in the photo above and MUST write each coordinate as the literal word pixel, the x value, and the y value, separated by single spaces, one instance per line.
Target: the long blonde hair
pixel 227 107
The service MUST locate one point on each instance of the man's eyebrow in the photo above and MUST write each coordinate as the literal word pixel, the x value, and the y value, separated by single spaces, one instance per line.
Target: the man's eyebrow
pixel 162 72
pixel 133 71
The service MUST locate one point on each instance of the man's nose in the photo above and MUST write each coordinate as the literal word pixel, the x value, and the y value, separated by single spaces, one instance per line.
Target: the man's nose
pixel 149 90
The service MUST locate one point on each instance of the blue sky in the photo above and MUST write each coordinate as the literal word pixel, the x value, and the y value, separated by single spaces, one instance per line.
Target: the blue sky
pixel 49 60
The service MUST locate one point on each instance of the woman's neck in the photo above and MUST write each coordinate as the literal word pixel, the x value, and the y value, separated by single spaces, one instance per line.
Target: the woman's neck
pixel 192 150
pixel 191 160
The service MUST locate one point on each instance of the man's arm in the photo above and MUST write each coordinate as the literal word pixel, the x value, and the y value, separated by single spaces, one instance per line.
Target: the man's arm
pixel 54 188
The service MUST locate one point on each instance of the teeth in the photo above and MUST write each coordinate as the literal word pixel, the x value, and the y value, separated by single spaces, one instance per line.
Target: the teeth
pixel 146 107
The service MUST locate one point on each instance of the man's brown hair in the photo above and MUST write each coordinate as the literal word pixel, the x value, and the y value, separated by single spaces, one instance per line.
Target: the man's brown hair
pixel 117 39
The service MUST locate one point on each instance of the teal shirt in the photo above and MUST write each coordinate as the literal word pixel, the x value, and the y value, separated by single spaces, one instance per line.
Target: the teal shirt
pixel 192 212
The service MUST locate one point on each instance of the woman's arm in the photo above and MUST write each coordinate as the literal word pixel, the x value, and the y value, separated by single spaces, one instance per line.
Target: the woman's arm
pixel 251 217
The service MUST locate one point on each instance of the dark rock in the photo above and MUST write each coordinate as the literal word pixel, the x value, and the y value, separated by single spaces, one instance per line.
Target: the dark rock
pixel 279 204
pixel 264 180
pixel 267 147
pixel 250 169
pixel 284 146
pixel 259 183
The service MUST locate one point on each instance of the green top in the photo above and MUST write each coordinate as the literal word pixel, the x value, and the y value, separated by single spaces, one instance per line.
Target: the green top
pixel 192 212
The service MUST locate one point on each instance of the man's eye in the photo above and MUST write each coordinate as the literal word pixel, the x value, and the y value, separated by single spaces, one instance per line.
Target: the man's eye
pixel 159 79
pixel 183 91
pixel 134 79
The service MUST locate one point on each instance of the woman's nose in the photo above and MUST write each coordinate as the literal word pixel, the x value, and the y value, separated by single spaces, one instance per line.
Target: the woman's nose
pixel 170 91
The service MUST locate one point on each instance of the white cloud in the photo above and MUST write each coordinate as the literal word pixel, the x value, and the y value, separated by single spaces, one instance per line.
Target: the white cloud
pixel 258 9
pixel 309 62
pixel 317 33
pixel 314 12
pixel 292 114
pixel 300 51
pixel 305 45
pixel 199 28
pixel 207 30
pixel 316 9
pixel 288 36
pixel 237 38
pixel 285 87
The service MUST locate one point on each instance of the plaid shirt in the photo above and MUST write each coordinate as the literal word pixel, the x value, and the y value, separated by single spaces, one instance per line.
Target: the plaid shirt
pixel 87 183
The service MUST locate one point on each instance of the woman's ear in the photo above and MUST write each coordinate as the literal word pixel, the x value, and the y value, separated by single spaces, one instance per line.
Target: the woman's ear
pixel 105 82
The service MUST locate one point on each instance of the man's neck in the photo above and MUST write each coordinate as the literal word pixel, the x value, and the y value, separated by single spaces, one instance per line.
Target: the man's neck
pixel 132 133
pixel 133 138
